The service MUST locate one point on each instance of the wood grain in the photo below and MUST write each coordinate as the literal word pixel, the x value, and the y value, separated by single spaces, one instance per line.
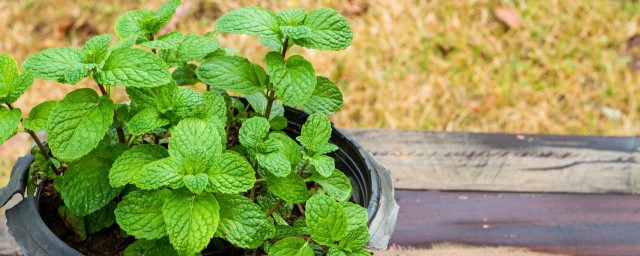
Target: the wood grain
pixel 571 224
pixel 506 162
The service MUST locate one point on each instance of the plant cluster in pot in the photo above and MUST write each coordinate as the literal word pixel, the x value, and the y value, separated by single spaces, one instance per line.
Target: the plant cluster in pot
pixel 181 171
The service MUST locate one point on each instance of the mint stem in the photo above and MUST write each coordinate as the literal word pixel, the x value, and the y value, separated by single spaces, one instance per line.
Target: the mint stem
pixel 271 95
pixel 280 201
pixel 275 207
pixel 270 98
pixel 119 130
pixel 43 151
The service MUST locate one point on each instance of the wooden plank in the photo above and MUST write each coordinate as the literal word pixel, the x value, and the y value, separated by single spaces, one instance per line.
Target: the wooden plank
pixel 8 245
pixel 506 162
pixel 571 224
pixel 449 249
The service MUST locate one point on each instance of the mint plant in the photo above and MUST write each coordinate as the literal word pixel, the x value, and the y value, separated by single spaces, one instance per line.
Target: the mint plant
pixel 177 167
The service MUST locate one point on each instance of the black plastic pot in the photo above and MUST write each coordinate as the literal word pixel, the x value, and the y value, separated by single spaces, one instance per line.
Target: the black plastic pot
pixel 372 188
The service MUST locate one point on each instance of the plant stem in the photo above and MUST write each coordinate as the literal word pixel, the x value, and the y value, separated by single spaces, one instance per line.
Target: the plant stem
pixel 304 166
pixel 275 207
pixel 270 98
pixel 43 151
pixel 119 130
pixel 285 46
pixel 300 208
pixel 131 139
pixel 280 201
pixel 271 95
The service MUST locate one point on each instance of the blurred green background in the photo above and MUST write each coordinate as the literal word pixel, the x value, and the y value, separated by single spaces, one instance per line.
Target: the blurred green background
pixel 562 67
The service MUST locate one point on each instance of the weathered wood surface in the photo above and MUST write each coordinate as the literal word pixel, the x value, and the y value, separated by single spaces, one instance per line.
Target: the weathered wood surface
pixel 8 245
pixel 564 224
pixel 506 162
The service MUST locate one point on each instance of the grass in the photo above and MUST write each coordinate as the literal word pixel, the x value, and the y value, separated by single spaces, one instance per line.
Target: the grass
pixel 435 65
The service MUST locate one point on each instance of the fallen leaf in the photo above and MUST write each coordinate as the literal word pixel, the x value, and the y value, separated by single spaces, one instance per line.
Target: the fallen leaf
pixel 508 16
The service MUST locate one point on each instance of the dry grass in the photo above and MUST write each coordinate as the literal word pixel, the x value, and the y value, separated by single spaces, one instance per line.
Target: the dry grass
pixel 438 65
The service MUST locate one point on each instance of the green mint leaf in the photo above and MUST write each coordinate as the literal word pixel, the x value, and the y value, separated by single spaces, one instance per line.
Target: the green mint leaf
pixel 127 168
pixel 275 162
pixel 335 251
pixel 219 53
pixel 145 23
pixel 78 123
pixel 291 246
pixel 259 103
pixel 164 172
pixel 39 116
pixel 196 143
pixel 134 23
pixel 163 15
pixel 291 17
pixel 213 109
pixel 158 98
pixel 296 32
pixel 242 222
pixel 191 220
pixel 294 81
pixel 285 231
pixel 133 67
pixel 183 102
pixel 230 173
pixel 9 121
pixel 253 131
pixel 167 41
pixel 291 189
pixel 337 185
pixel 315 133
pixel 290 148
pixel 326 220
pixel 101 219
pixel 140 214
pixel 12 85
pixel 185 75
pixel 355 239
pixel 192 47
pixel 270 42
pixel 329 31
pixel 196 183
pixel 326 148
pixel 158 247
pixel 77 224
pixel 250 21
pixel 85 187
pixel 324 164
pixel 326 98
pixel 96 49
pixel 172 102
pixel 20 85
pixel 127 42
pixel 58 64
pixel 278 122
pixel 357 215
pixel 8 74
pixel 230 73
pixel 146 121
pixel 123 111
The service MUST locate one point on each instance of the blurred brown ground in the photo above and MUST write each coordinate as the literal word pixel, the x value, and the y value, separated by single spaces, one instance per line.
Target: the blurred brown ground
pixel 437 64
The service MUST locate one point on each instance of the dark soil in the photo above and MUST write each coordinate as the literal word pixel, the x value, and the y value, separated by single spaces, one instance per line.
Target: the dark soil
pixel 107 242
